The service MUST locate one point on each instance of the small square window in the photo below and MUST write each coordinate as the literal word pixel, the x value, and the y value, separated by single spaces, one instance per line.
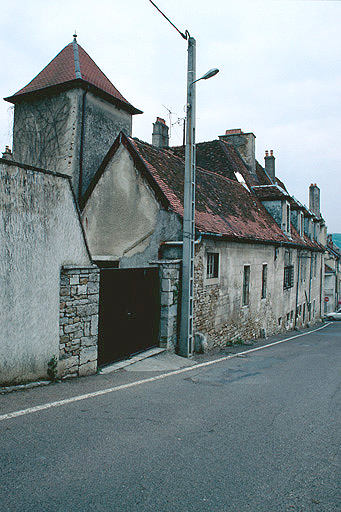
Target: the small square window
pixel 212 271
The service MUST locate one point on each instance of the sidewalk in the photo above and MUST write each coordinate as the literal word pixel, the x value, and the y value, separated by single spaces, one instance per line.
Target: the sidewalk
pixel 159 360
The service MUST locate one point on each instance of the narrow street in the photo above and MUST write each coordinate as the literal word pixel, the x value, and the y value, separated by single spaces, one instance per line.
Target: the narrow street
pixel 258 431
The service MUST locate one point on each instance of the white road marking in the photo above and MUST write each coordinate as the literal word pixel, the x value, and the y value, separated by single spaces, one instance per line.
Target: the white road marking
pixel 59 403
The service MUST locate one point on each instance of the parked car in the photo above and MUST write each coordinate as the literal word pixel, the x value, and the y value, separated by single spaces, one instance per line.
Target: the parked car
pixel 335 315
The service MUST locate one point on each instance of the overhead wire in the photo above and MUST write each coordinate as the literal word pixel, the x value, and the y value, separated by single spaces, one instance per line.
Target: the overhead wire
pixel 184 35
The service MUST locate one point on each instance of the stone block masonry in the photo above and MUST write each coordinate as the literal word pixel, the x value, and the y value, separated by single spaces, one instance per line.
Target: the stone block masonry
pixel 78 324
pixel 169 280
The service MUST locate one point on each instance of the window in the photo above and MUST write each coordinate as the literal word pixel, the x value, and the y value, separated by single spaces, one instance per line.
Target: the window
pixel 246 285
pixel 288 281
pixel 212 265
pixel 288 218
pixel 300 223
pixel 264 280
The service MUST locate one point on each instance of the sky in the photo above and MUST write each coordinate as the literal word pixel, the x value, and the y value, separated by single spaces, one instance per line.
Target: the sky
pixel 279 62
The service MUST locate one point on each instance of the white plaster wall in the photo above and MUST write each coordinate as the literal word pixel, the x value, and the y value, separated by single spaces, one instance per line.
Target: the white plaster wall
pixel 121 214
pixel 39 232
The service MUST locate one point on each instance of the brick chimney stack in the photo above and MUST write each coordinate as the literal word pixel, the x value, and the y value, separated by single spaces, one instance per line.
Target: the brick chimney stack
pixel 269 163
pixel 314 199
pixel 160 137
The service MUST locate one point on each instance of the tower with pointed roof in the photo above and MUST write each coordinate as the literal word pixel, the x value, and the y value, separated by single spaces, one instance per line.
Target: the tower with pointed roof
pixel 68 116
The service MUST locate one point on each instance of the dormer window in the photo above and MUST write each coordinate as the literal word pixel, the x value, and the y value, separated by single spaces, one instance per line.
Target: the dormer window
pixel 307 226
pixel 300 223
pixel 286 217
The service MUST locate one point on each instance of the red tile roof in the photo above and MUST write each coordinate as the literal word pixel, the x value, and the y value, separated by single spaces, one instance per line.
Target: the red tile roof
pixel 61 72
pixel 221 157
pixel 224 206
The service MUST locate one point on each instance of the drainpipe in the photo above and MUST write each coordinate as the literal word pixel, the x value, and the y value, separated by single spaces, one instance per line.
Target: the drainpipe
pixel 336 288
pixel 321 284
pixel 298 280
pixel 310 281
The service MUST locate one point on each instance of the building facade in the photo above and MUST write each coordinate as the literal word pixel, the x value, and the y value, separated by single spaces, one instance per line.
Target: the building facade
pixel 113 246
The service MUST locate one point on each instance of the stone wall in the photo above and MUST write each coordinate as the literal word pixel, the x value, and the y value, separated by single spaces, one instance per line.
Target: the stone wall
pixel 79 302
pixel 36 124
pixel 170 289
pixel 219 312
pixel 103 121
pixel 48 133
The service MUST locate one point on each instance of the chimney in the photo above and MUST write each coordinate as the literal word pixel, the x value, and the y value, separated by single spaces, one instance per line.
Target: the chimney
pixel 269 164
pixel 160 137
pixel 245 144
pixel 7 155
pixel 314 200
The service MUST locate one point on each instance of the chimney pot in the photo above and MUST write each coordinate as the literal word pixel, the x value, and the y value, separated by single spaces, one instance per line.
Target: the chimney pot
pixel 235 131
pixel 269 162
pixel 7 155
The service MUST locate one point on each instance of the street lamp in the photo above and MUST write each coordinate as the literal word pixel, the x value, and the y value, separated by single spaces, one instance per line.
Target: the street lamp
pixel 186 321
pixel 187 294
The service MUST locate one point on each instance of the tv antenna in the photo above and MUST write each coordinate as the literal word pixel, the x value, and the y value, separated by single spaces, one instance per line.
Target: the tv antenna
pixel 179 121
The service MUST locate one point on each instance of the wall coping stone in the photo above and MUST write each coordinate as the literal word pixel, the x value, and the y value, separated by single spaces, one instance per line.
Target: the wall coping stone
pixel 87 268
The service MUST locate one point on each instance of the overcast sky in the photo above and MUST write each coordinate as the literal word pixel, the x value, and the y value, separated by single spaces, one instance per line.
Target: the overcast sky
pixel 279 61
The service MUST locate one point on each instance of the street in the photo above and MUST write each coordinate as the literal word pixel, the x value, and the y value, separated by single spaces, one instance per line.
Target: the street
pixel 255 432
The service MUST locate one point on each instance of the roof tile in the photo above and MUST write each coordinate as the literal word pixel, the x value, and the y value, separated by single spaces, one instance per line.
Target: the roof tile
pixel 61 71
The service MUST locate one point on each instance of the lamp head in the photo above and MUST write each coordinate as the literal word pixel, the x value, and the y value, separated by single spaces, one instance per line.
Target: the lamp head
pixel 210 73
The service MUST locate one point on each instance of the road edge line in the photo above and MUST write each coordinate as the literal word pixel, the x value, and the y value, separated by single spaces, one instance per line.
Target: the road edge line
pixel 59 403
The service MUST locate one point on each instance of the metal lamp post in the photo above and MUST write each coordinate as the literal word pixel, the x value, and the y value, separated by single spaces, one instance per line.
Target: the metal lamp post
pixel 186 323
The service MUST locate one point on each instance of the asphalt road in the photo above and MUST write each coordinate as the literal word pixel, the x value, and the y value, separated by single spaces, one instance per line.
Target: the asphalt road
pixel 257 432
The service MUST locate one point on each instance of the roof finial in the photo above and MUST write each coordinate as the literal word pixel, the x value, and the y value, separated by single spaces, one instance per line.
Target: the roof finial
pixel 76 57
pixel 75 34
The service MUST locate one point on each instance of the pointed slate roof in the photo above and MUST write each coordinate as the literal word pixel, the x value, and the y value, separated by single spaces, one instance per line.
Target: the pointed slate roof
pixel 73 67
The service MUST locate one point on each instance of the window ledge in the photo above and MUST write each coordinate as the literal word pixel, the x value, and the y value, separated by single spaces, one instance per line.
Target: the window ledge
pixel 211 280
